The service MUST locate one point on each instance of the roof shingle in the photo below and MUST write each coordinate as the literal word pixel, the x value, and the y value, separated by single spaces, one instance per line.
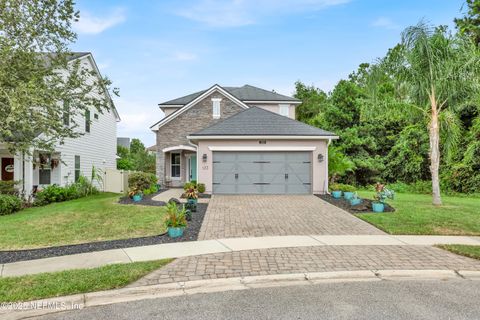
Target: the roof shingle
pixel 255 121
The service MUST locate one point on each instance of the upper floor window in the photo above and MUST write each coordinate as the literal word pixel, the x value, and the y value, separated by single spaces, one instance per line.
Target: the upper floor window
pixel 216 107
pixel 66 113
pixel 284 110
pixel 87 120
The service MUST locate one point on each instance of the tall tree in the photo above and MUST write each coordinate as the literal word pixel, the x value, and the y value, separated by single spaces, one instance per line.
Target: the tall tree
pixel 470 23
pixel 35 90
pixel 434 73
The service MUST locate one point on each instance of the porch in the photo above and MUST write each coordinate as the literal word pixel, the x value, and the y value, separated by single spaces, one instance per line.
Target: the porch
pixel 31 172
pixel 180 165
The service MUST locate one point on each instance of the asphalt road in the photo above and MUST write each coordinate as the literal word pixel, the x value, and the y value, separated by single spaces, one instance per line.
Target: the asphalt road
pixel 452 299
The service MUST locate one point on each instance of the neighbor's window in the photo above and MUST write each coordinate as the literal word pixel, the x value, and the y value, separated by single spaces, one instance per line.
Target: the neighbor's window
pixel 216 107
pixel 175 163
pixel 87 120
pixel 284 108
pixel 66 113
pixel 95 116
pixel 44 169
pixel 77 168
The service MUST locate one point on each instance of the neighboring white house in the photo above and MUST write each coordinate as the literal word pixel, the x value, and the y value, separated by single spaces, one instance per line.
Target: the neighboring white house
pixel 96 147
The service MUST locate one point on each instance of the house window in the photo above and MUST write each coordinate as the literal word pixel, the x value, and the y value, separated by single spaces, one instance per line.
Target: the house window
pixel 175 165
pixel 44 169
pixel 95 116
pixel 216 107
pixel 284 110
pixel 66 113
pixel 87 120
pixel 77 168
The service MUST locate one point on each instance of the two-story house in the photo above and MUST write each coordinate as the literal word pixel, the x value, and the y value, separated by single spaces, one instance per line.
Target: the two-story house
pixel 97 146
pixel 241 140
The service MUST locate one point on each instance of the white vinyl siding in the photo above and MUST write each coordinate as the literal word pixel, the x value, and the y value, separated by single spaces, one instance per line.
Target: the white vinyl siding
pixel 216 107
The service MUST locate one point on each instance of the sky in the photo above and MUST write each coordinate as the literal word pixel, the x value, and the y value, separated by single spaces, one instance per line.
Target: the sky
pixel 155 51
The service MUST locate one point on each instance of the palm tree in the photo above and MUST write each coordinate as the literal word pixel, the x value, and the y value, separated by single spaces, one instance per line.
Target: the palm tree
pixel 434 72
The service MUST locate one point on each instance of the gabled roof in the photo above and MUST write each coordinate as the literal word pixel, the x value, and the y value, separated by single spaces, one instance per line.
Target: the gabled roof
pixel 259 122
pixel 214 88
pixel 245 93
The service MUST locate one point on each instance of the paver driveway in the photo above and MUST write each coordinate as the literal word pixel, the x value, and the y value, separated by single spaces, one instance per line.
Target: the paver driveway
pixel 232 216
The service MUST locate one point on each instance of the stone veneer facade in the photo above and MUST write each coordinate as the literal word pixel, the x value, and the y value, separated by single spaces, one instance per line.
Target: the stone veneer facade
pixel 199 116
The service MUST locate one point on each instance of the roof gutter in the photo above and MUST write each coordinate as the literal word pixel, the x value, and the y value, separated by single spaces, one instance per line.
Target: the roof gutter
pixel 270 137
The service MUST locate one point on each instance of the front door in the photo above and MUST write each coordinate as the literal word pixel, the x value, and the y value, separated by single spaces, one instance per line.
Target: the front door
pixel 192 167
pixel 7 168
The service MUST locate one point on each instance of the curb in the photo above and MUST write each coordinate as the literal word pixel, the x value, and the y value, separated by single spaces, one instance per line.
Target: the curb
pixel 81 301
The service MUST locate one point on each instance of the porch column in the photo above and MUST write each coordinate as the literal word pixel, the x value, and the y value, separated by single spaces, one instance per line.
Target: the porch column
pixel 161 167
pixel 25 178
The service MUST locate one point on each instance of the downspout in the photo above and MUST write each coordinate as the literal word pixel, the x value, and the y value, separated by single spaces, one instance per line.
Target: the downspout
pixel 23 174
pixel 326 167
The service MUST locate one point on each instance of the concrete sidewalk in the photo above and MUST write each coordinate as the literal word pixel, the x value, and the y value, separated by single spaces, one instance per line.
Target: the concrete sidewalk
pixel 194 248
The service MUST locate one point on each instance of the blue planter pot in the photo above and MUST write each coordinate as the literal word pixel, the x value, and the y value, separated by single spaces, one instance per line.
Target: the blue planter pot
pixel 355 201
pixel 337 194
pixel 378 207
pixel 137 197
pixel 192 201
pixel 175 232
pixel 348 195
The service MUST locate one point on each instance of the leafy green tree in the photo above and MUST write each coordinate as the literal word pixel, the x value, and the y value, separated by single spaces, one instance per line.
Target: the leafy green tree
pixel 338 164
pixel 434 73
pixel 470 23
pixel 136 158
pixel 313 101
pixel 35 92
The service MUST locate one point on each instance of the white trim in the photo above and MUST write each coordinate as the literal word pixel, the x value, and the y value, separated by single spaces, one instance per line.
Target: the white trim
pixel 216 115
pixel 326 166
pixel 283 106
pixel 261 137
pixel 272 101
pixel 170 105
pixel 254 148
pixel 180 147
pixel 175 114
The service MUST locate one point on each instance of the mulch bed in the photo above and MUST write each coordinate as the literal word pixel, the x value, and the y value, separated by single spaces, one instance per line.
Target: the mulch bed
pixel 200 196
pixel 190 234
pixel 364 207
pixel 146 201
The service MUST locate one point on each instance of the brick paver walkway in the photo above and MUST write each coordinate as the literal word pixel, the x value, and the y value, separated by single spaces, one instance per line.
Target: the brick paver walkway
pixel 231 216
pixel 307 259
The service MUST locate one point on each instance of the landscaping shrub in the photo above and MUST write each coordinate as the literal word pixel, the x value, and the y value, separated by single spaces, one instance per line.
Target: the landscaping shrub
pixel 140 180
pixel 342 187
pixel 9 204
pixel 8 187
pixel 201 187
pixel 420 187
pixel 55 193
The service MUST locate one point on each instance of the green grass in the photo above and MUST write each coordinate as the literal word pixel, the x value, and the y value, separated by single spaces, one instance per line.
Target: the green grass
pixel 47 285
pixel 415 214
pixel 93 218
pixel 464 250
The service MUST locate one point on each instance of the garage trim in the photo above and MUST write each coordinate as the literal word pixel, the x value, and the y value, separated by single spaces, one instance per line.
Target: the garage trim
pixel 252 148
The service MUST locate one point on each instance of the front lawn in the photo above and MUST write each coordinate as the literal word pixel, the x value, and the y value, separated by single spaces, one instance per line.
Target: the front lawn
pixel 464 250
pixel 93 218
pixel 415 214
pixel 56 284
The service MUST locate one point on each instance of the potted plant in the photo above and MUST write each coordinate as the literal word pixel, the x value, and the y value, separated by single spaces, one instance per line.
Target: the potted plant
pixel 175 220
pixel 336 192
pixel 192 195
pixel 136 194
pixel 381 195
pixel 348 191
pixel 355 200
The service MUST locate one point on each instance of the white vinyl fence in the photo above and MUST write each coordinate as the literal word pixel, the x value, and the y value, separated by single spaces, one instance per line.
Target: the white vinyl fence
pixel 115 181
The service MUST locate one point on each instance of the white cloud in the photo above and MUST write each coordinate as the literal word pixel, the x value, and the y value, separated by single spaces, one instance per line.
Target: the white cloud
pixel 184 56
pixel 384 22
pixel 89 24
pixel 236 13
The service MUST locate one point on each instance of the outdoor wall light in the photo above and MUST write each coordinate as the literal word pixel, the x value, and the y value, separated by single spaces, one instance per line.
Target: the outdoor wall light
pixel 320 157
pixel 204 157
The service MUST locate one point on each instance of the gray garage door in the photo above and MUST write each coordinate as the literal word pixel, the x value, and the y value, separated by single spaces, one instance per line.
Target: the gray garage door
pixel 261 172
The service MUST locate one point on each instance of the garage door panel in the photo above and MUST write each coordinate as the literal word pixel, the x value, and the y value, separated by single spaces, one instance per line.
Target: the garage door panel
pixel 262 172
